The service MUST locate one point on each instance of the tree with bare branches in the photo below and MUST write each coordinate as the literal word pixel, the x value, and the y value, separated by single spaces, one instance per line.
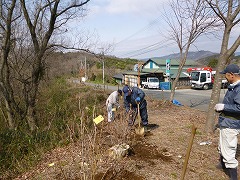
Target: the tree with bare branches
pixel 228 12
pixel 27 29
pixel 188 21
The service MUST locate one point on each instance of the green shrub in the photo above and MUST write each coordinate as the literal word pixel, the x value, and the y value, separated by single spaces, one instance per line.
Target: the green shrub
pixel 59 107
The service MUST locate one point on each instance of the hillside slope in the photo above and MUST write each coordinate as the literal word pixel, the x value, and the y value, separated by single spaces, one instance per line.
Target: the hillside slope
pixel 79 63
pixel 160 154
pixel 191 55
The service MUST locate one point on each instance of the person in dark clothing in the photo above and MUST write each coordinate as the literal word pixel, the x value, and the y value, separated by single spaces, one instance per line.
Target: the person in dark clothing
pixel 132 96
pixel 229 121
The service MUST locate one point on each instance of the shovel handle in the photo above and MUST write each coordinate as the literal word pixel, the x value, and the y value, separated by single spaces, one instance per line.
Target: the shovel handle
pixel 138 111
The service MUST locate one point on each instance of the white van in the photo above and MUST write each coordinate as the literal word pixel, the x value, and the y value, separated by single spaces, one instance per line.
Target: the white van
pixel 151 83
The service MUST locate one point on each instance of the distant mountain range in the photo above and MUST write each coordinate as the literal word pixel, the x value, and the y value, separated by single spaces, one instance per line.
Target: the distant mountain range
pixel 191 55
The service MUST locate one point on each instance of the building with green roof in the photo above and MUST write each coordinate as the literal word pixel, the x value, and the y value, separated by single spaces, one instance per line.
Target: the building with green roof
pixel 157 68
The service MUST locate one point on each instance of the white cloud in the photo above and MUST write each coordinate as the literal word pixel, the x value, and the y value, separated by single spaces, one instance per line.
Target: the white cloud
pixel 127 6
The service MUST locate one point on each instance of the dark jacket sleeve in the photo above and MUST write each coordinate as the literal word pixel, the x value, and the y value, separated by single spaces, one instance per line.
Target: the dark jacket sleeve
pixel 232 100
pixel 136 92
pixel 141 94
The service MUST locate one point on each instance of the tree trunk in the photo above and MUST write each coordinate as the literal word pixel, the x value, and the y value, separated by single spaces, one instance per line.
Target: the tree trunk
pixel 229 21
pixel 223 59
pixel 31 118
pixel 181 64
pixel 212 114
pixel 9 116
pixel 36 78
pixel 174 84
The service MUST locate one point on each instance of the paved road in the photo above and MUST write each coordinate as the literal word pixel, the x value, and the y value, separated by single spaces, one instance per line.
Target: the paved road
pixel 198 99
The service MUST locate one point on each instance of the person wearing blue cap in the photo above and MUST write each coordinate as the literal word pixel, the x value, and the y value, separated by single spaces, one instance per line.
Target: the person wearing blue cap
pixel 229 121
pixel 113 100
pixel 133 96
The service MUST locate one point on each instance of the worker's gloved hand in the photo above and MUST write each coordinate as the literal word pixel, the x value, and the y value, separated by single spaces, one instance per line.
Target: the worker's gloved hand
pixel 219 107
pixel 138 99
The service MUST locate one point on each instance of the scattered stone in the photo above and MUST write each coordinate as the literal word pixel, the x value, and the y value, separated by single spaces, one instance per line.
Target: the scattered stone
pixel 119 151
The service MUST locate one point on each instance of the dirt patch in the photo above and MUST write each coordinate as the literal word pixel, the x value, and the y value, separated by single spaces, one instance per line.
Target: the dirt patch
pixel 121 174
pixel 143 151
pixel 160 154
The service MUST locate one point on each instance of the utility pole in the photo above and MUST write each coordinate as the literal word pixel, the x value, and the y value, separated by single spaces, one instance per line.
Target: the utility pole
pixel 88 69
pixel 102 59
pixel 103 73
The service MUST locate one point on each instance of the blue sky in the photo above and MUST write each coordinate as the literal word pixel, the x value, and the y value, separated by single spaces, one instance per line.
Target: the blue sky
pixel 136 28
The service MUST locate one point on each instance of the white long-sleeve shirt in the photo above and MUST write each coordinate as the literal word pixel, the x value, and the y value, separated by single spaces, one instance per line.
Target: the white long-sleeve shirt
pixel 113 99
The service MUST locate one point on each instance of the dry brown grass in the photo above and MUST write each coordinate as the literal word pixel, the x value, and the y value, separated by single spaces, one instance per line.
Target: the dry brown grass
pixel 158 155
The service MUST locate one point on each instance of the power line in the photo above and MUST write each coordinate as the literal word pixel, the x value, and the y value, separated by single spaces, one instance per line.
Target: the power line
pixel 147 49
pixel 144 52
pixel 160 42
pixel 143 29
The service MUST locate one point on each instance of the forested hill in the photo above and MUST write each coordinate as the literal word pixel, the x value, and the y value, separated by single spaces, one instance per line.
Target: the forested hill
pixel 202 57
pixel 191 55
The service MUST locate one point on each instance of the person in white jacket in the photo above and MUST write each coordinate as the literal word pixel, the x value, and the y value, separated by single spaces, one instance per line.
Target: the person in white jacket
pixel 112 100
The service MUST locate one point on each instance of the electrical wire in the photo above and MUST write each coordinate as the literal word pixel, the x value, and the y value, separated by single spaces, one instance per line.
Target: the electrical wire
pixel 155 21
pixel 136 51
pixel 146 50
